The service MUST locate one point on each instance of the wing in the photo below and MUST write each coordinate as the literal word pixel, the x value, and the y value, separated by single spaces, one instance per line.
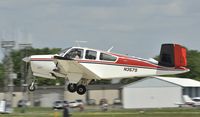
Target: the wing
pixel 68 66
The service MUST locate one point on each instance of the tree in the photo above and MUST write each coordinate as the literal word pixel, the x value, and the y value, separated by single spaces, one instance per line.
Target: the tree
pixel 1 75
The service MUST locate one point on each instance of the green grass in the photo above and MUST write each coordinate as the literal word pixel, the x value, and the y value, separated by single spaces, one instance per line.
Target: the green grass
pixel 90 112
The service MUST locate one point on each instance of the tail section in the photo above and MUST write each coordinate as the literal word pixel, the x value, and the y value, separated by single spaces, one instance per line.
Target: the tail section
pixel 173 55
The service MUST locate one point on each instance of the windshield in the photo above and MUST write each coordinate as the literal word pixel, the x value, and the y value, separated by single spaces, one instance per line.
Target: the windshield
pixel 74 53
pixel 62 52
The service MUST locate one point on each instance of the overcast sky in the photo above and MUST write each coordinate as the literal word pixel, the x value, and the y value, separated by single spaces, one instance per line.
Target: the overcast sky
pixel 134 27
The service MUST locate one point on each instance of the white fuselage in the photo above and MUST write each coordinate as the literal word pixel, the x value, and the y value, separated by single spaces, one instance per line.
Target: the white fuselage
pixel 76 63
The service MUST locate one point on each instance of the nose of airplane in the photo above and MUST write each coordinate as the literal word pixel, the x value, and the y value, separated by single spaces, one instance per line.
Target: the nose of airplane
pixel 27 59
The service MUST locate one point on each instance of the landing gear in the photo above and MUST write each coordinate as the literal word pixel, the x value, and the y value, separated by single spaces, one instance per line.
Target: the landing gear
pixel 80 89
pixel 32 87
pixel 72 87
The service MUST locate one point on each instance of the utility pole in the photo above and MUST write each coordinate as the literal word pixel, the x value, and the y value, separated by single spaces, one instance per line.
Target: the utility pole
pixel 9 75
pixel 24 71
pixel 24 67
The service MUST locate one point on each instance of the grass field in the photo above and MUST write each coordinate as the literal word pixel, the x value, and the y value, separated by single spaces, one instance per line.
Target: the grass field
pixel 48 112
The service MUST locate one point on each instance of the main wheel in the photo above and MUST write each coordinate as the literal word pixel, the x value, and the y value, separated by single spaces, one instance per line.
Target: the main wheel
pixel 81 89
pixel 72 87
pixel 31 87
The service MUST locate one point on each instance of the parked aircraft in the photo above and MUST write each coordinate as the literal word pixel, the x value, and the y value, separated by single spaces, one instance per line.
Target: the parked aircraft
pixel 187 101
pixel 80 65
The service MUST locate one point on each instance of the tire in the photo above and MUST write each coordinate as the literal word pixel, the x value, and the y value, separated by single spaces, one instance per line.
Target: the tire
pixel 31 87
pixel 72 87
pixel 81 89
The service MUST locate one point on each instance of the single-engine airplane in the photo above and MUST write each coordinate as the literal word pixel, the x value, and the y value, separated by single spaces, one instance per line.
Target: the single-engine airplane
pixel 80 65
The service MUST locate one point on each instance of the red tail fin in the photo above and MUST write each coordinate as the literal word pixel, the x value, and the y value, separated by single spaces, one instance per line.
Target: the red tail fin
pixel 180 56
pixel 173 55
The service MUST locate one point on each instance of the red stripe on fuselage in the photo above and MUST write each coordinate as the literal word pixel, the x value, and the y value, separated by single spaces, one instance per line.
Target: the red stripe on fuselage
pixel 135 62
pixel 123 59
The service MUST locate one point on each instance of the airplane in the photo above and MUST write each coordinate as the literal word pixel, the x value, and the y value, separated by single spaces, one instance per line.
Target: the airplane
pixel 188 101
pixel 80 65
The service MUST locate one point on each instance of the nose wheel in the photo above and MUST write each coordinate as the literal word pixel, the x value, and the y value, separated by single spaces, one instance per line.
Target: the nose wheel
pixel 32 87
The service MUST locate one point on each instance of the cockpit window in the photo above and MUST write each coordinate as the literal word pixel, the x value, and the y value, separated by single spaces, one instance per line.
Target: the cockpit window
pixel 90 54
pixel 107 57
pixel 75 54
pixel 62 52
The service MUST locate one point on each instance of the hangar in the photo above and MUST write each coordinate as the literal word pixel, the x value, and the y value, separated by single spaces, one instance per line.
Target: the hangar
pixel 44 96
pixel 159 92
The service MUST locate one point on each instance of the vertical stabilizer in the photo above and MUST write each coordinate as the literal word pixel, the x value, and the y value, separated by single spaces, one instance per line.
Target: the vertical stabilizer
pixel 173 55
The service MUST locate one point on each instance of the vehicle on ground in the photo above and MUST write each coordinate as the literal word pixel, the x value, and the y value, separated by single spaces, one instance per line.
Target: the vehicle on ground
pixel 22 103
pixel 103 101
pixel 59 104
pixel 117 101
pixel 76 103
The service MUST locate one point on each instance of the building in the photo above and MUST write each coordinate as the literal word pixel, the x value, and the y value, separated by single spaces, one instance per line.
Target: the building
pixel 44 96
pixel 159 92
pixel 48 94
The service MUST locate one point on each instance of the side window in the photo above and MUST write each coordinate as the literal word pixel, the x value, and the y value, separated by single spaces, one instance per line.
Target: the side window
pixel 107 57
pixel 90 54
pixel 75 54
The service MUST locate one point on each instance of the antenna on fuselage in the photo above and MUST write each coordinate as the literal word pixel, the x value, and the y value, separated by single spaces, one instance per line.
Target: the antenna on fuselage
pixel 110 49
pixel 78 42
